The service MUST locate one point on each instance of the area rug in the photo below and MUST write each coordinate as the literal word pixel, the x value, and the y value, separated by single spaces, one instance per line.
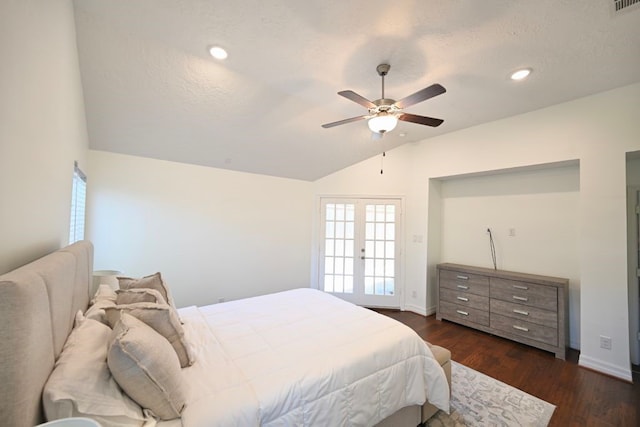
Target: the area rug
pixel 479 400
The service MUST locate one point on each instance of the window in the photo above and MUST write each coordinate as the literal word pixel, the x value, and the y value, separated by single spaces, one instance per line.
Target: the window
pixel 78 198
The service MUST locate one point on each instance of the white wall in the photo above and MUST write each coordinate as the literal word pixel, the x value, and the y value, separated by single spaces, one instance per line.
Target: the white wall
pixel 539 207
pixel 595 131
pixel 42 127
pixel 212 233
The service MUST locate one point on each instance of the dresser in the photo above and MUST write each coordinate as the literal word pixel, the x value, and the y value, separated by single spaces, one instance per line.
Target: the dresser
pixel 527 308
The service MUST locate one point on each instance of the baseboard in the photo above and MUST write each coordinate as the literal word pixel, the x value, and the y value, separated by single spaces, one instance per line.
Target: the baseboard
pixel 415 309
pixel 605 368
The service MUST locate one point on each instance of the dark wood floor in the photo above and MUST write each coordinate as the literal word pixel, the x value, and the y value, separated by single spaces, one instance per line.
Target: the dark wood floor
pixel 582 397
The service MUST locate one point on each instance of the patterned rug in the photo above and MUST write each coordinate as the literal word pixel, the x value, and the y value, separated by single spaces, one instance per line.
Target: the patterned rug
pixel 479 400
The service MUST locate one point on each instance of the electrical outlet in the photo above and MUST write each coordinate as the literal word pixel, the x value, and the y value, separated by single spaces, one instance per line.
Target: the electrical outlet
pixel 221 299
pixel 605 342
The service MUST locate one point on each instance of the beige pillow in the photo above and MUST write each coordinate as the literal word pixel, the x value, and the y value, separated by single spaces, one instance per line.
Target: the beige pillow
pixel 104 292
pixel 146 367
pixel 162 319
pixel 81 384
pixel 132 296
pixel 153 281
pixel 97 310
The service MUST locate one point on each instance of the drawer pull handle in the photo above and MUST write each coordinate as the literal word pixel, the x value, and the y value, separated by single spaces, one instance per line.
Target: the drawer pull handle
pixel 463 287
pixel 524 288
pixel 524 313
pixel 463 299
pixel 464 313
pixel 462 277
pixel 520 298
pixel 521 328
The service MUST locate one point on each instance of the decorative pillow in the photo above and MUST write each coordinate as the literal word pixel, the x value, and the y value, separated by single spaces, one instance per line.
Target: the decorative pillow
pixel 146 367
pixel 162 319
pixel 97 310
pixel 81 384
pixel 104 293
pixel 132 296
pixel 153 281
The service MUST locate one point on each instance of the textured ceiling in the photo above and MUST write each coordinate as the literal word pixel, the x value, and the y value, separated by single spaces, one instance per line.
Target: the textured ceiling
pixel 151 89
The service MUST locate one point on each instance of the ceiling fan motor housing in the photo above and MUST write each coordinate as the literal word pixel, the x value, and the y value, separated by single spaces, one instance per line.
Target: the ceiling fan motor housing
pixel 383 69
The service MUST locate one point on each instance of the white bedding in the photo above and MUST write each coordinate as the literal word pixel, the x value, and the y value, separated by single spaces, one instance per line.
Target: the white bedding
pixel 303 358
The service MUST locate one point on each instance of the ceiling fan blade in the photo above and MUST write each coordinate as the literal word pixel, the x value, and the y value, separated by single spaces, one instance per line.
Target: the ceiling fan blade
pixel 349 94
pixel 422 120
pixel 421 95
pixel 344 122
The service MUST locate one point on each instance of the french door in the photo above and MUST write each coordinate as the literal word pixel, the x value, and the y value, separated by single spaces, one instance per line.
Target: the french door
pixel 360 250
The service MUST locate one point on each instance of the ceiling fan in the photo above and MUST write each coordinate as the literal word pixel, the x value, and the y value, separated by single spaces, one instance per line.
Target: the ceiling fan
pixel 384 113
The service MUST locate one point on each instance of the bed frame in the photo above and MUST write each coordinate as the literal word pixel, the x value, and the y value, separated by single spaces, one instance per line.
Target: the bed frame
pixel 38 303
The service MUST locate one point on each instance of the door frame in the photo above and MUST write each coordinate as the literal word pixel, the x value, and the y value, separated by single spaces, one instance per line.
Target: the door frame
pixel 317 242
pixel 633 245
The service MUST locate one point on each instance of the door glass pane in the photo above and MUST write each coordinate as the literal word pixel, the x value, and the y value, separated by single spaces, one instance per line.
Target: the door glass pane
pixel 368 285
pixel 330 227
pixel 348 248
pixel 389 288
pixel 368 267
pixel 328 247
pixel 348 284
pixel 328 283
pixel 369 246
pixel 328 265
pixel 391 213
pixel 330 211
pixel 391 231
pixel 349 231
pixel 380 246
pixel 338 252
pixel 390 251
pixel 350 212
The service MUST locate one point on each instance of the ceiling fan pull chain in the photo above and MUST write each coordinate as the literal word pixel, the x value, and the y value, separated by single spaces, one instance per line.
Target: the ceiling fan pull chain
pixel 384 154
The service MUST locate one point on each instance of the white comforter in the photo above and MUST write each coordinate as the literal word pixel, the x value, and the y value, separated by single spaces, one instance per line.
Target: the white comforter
pixel 304 358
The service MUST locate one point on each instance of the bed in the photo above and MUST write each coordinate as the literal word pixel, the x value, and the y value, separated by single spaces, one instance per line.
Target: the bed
pixel 300 357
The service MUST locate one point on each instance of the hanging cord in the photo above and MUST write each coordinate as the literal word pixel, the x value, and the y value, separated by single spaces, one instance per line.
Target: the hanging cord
pixel 384 154
pixel 493 249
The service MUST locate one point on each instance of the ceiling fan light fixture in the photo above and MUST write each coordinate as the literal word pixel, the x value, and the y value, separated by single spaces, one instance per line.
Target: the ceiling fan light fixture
pixel 383 122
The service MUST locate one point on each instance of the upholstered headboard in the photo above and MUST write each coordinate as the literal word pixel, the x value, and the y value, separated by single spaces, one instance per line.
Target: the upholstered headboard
pixel 38 303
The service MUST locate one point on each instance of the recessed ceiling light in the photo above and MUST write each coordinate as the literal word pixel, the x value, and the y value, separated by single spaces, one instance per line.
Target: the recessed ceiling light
pixel 218 52
pixel 521 74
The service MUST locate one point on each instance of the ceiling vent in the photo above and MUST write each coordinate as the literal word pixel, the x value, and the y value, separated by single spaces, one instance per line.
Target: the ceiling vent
pixel 625 5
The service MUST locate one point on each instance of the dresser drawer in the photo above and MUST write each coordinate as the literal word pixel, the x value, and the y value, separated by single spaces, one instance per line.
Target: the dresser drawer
pixel 454 311
pixel 524 329
pixel 464 299
pixel 525 313
pixel 464 282
pixel 526 293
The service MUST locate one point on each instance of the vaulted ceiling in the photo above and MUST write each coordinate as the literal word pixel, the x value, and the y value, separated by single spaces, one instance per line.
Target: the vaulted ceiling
pixel 152 89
